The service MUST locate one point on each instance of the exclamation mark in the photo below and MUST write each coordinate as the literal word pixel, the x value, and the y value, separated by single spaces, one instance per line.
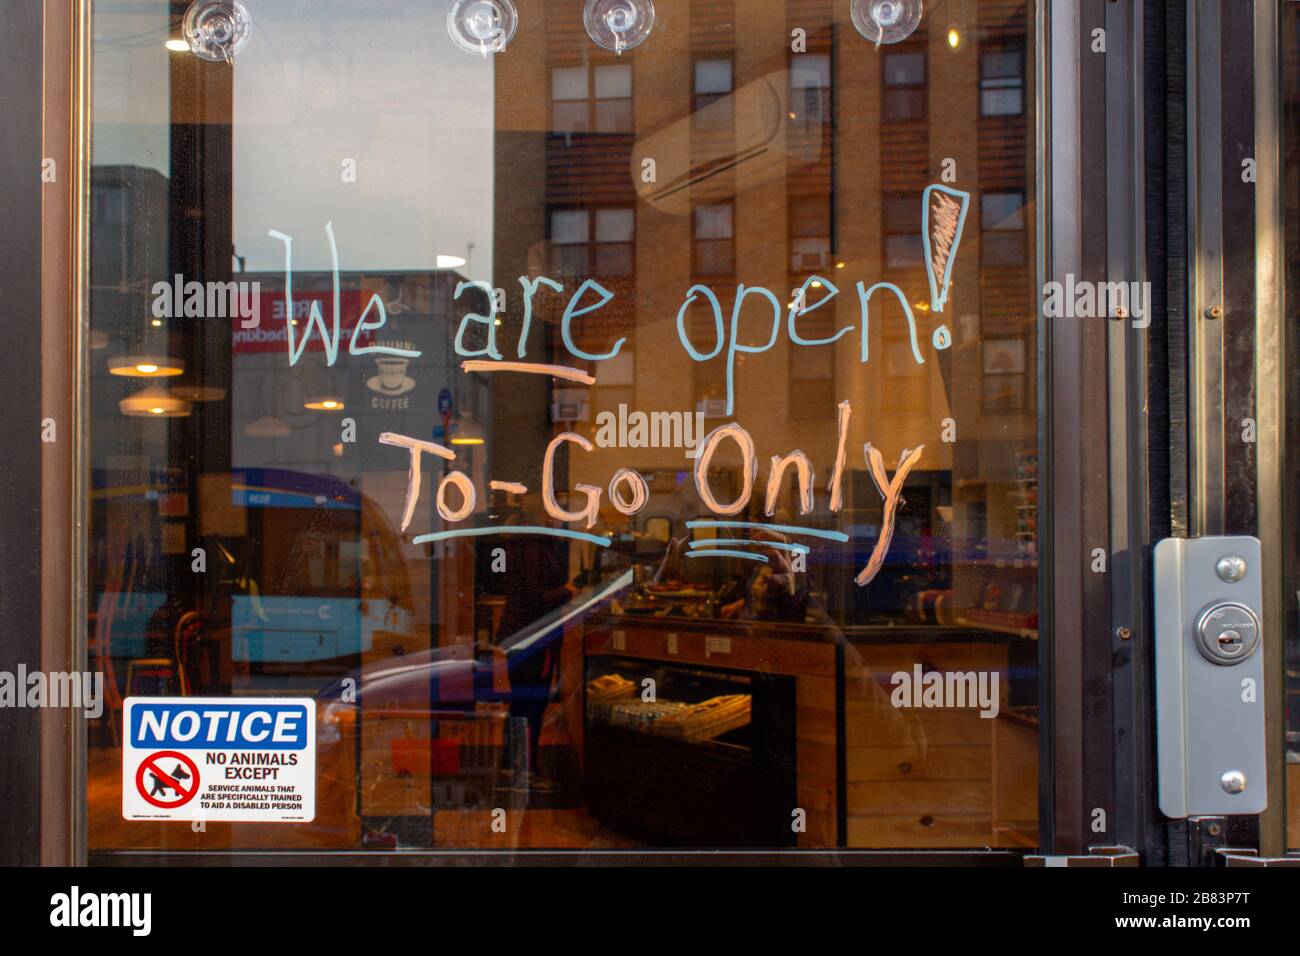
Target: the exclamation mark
pixel 943 216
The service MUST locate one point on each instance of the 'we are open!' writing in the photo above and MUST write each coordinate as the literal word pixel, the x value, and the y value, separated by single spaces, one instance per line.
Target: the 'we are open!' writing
pixel 943 218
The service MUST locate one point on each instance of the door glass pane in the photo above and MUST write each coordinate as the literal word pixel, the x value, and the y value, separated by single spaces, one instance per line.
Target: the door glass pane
pixel 402 391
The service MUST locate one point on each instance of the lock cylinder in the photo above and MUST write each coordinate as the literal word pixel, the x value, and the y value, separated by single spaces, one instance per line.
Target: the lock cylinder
pixel 1227 633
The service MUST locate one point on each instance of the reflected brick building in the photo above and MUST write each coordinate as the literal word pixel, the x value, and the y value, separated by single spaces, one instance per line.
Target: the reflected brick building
pixel 797 155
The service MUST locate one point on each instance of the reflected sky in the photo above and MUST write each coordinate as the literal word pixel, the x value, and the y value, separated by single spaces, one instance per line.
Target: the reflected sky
pixel 322 82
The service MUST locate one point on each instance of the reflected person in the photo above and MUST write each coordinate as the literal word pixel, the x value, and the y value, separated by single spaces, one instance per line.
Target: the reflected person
pixel 536 583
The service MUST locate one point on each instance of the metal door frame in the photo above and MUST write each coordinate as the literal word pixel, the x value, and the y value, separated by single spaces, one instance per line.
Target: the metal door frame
pixel 1271 350
pixel 1226 340
pixel 1095 524
pixel 1124 199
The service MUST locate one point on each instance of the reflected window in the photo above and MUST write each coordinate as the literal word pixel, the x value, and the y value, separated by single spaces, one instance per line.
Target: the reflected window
pixel 812 369
pixel 1004 364
pixel 810 89
pixel 904 97
pixel 810 234
pixel 714 240
pixel 615 230
pixel 712 85
pixel 904 246
pixel 708 378
pixel 613 86
pixel 587 240
pixel 570 236
pixel 1002 82
pixel 1002 221
pixel 591 99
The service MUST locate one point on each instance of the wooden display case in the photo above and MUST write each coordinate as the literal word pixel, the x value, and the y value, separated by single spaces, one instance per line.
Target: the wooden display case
pixel 868 774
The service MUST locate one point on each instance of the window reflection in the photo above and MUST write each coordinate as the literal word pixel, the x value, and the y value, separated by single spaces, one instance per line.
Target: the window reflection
pixel 664 673
pixel 1002 82
pixel 905 74
pixel 714 239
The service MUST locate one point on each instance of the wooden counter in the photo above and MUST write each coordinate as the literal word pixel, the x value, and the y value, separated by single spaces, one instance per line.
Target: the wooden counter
pixel 722 645
pixel 912 778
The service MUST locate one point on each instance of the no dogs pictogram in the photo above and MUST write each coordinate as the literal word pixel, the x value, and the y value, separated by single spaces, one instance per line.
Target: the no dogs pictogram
pixel 165 788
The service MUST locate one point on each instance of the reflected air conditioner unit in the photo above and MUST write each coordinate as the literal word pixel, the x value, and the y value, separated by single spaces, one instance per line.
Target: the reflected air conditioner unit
pixel 570 410
pixel 810 261
pixel 727 147
pixel 712 407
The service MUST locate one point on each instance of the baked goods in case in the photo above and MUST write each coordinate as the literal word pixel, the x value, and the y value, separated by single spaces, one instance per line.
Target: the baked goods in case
pixel 610 687
pixel 667 718
pixel 707 719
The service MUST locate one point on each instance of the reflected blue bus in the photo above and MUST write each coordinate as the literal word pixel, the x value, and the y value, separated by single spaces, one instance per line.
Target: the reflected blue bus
pixel 303 576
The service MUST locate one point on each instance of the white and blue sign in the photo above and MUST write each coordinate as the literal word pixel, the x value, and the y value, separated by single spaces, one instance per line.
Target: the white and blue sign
pixel 219 758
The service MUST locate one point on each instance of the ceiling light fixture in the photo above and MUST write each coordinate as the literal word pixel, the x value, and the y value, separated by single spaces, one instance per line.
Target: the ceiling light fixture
pixel 467 432
pixel 268 427
pixel 325 403
pixel 145 366
pixel 199 393
pixel 154 402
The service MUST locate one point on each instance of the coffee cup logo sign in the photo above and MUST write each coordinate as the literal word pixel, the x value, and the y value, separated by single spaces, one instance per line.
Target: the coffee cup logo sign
pixel 390 383
pixel 392 378
pixel 758 319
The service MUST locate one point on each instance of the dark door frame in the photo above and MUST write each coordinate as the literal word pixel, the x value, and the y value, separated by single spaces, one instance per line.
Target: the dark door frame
pixel 21 64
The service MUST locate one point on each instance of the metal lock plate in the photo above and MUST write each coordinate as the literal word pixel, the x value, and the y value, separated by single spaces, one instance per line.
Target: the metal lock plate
pixel 1209 677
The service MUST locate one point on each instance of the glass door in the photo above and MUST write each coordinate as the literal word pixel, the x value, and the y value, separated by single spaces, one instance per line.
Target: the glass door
pixel 618 422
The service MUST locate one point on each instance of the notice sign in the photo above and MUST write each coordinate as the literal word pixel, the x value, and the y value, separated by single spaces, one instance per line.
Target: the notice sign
pixel 219 758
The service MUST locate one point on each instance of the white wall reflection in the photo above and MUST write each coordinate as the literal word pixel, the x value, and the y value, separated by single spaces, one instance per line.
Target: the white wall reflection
pixel 131 85
pixel 321 83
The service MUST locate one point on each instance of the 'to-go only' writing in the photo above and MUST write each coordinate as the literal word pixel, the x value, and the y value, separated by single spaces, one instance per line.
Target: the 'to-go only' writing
pixel 628 490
